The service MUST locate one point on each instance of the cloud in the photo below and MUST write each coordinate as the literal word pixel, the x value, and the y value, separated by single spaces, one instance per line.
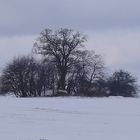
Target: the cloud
pixel 113 27
pixel 30 17
pixel 120 48
pixel 13 47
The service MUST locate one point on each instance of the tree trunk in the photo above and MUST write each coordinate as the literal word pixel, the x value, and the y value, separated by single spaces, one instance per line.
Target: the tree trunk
pixel 62 81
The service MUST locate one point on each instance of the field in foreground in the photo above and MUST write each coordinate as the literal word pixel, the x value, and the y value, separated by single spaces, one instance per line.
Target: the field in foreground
pixel 69 118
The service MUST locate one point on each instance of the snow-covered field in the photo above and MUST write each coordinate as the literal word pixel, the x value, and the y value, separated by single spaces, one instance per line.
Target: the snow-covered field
pixel 69 118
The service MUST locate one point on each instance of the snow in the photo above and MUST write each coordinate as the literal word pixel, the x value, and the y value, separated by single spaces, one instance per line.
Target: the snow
pixel 69 118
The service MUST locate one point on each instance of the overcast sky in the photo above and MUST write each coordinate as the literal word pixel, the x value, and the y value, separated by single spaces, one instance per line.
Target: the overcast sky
pixel 112 26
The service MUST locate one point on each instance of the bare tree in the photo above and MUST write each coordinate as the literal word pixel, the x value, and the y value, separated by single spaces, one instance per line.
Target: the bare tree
pixel 88 69
pixel 47 74
pixel 27 77
pixel 14 78
pixel 61 47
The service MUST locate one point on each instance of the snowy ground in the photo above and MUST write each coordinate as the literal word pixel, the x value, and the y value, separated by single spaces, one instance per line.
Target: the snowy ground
pixel 69 118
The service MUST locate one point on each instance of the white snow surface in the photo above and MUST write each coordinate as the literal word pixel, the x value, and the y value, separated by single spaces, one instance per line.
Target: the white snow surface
pixel 69 118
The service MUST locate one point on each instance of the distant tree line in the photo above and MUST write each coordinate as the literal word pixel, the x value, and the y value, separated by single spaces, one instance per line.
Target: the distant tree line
pixel 65 69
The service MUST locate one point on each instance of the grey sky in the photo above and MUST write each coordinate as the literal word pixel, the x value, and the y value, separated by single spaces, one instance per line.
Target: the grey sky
pixel 112 26
pixel 30 16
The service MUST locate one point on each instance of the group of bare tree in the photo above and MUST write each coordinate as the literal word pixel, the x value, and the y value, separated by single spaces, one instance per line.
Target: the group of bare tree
pixel 65 69
pixel 27 77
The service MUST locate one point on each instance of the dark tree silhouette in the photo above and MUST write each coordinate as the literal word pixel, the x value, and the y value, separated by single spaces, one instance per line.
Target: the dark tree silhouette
pixel 14 78
pixel 90 67
pixel 61 47
pixel 67 68
pixel 122 83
